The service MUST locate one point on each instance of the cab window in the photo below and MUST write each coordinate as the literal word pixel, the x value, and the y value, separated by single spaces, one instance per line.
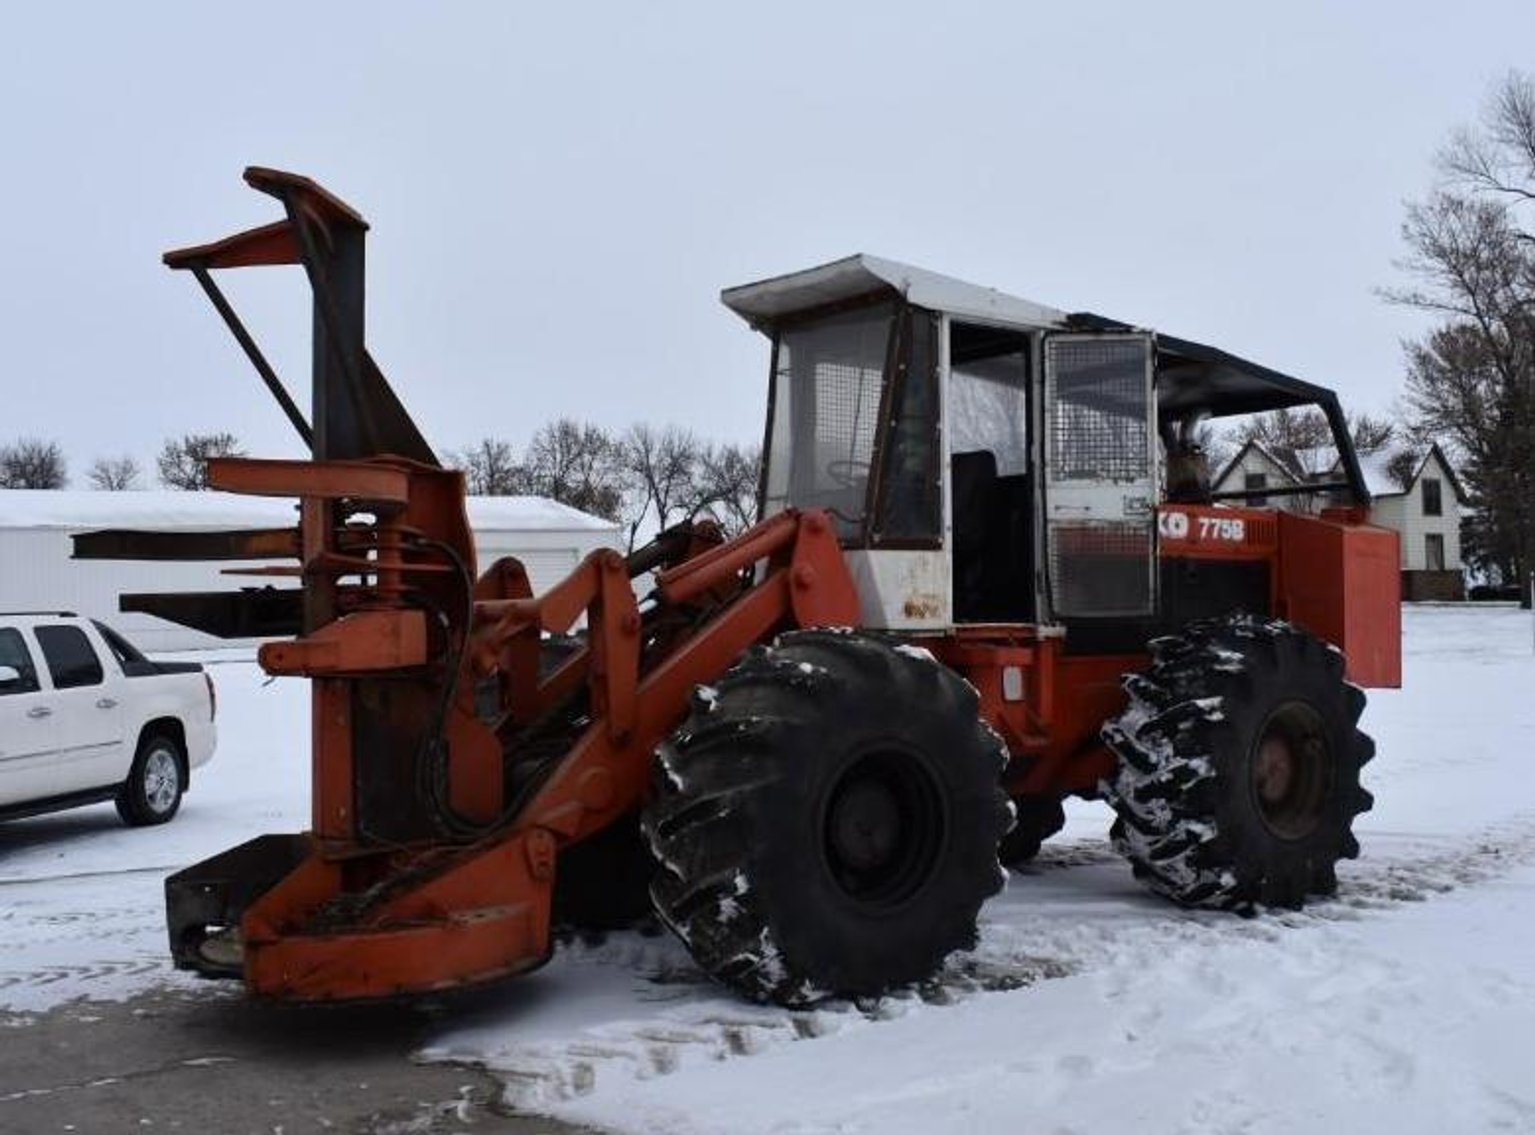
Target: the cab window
pixel 828 386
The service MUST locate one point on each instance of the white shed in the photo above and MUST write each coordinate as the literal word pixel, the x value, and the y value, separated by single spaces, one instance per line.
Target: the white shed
pixel 37 574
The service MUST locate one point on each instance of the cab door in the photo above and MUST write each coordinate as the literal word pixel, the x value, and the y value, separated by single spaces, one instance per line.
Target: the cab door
pixel 1100 459
pixel 28 728
pixel 90 726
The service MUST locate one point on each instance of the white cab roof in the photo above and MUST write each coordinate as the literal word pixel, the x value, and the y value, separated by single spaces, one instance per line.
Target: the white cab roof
pixel 768 300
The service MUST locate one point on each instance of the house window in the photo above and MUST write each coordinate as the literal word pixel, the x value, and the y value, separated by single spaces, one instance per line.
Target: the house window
pixel 1256 481
pixel 1433 550
pixel 1432 504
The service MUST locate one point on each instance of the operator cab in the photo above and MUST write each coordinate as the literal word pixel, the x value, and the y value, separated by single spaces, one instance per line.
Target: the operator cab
pixel 987 459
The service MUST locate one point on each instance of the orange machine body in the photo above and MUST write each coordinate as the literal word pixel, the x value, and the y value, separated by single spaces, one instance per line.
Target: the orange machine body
pixel 463 743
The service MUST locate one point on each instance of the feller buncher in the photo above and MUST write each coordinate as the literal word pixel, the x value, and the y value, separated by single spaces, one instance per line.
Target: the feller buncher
pixel 988 574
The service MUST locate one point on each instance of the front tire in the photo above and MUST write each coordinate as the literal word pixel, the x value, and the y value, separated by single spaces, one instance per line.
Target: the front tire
pixel 156 782
pixel 1239 759
pixel 826 821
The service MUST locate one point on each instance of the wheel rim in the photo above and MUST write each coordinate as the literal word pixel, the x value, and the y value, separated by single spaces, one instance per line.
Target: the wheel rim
pixel 162 779
pixel 883 828
pixel 1291 770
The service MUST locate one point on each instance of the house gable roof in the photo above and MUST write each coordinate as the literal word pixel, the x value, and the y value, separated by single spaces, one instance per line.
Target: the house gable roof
pixel 1382 484
pixel 1444 463
pixel 1255 446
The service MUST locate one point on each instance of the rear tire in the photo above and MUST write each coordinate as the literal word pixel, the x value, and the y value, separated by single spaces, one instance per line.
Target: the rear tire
pixel 826 820
pixel 1239 761
pixel 156 781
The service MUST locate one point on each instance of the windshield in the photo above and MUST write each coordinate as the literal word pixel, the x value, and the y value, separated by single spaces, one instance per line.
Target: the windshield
pixel 828 377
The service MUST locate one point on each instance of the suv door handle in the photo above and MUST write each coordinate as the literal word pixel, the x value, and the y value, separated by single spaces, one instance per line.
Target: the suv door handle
pixel 106 703
pixel 39 711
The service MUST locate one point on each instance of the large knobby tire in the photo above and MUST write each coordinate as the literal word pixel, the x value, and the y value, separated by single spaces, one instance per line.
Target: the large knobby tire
pixel 826 820
pixel 156 781
pixel 1239 759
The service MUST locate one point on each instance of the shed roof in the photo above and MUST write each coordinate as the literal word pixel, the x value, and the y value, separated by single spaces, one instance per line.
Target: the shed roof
pixel 80 510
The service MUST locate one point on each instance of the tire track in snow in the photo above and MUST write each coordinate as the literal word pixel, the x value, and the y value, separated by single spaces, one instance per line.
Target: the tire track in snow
pixel 93 935
pixel 1046 925
pixel 71 876
pixel 81 975
pixel 701 1023
pixel 1379 882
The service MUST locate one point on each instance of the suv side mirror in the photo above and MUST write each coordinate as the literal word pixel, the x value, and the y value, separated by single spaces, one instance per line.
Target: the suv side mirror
pixel 9 674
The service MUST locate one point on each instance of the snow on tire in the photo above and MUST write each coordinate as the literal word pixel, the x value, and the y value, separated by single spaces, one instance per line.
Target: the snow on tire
pixel 826 821
pixel 1238 771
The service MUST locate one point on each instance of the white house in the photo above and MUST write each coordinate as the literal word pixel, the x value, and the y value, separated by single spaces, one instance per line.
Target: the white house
pixel 1427 515
pixel 37 573
pixel 1254 468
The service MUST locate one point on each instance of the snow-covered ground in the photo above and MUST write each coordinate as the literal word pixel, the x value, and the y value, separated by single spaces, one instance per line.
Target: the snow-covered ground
pixel 1403 1005
pixel 82 909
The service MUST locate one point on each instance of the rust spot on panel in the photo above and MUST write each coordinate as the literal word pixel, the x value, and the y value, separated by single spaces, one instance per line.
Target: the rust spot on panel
pixel 922 607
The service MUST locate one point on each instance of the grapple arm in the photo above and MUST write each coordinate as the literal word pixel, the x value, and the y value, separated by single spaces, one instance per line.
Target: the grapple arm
pixel 453 757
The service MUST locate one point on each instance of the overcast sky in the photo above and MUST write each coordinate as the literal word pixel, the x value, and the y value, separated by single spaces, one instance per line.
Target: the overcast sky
pixel 559 192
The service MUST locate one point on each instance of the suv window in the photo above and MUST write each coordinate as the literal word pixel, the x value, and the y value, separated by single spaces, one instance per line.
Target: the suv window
pixel 14 653
pixel 71 660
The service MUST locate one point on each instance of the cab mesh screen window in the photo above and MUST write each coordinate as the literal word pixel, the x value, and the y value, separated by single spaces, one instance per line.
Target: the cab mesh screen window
pixel 1100 568
pixel 1098 397
pixel 827 390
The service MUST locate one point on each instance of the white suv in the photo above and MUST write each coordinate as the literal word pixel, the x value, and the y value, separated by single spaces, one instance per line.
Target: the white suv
pixel 84 717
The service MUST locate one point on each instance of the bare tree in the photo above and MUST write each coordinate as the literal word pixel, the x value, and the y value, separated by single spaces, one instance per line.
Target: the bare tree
pixel 1471 381
pixel 31 463
pixel 114 474
pixel 578 464
pixel 1498 158
pixel 1302 438
pixel 491 469
pixel 727 485
pixel 184 461
pixel 1213 447
pixel 1473 396
pixel 1371 435
pixel 1401 466
pixel 662 471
